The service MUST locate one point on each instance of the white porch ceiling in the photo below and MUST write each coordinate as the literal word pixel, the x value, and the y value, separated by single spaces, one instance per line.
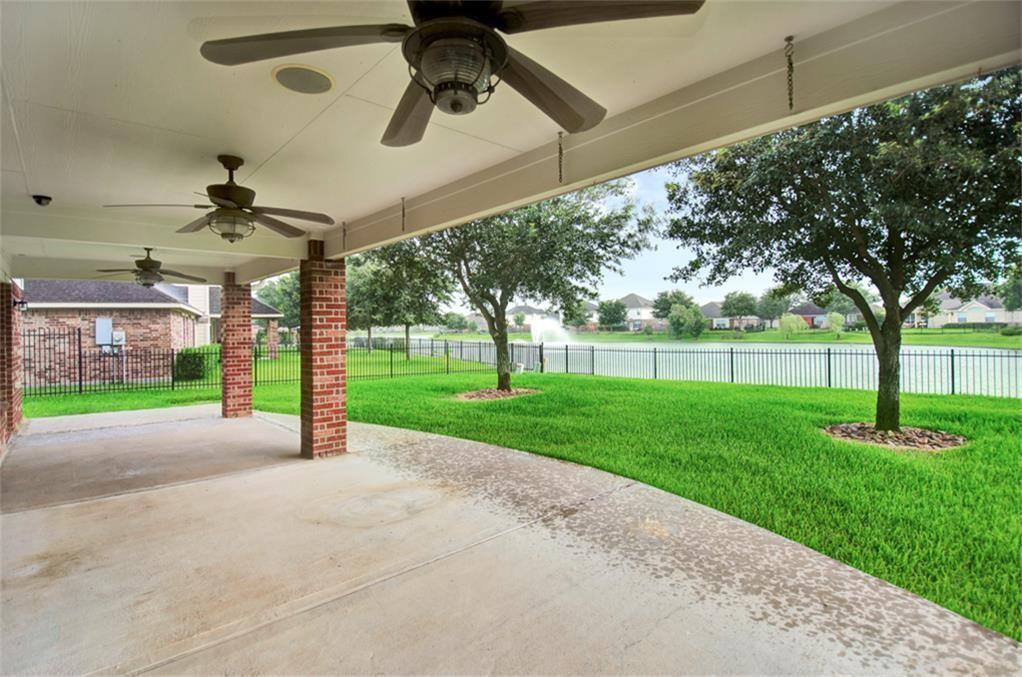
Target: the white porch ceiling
pixel 111 102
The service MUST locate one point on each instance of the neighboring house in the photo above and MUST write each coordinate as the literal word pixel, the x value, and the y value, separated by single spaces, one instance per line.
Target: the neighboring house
pixel 166 316
pixel 814 315
pixel 113 313
pixel 640 313
pixel 531 313
pixel 984 309
pixel 715 319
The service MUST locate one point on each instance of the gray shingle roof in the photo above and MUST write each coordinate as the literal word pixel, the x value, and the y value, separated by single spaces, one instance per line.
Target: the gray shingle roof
pixel 635 301
pixel 807 308
pixel 711 309
pixel 97 291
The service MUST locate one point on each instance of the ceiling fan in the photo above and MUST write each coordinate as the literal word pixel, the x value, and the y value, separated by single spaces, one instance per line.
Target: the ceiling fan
pixel 148 271
pixel 456 57
pixel 234 216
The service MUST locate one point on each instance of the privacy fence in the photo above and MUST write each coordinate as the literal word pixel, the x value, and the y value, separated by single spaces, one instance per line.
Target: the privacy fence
pixel 58 363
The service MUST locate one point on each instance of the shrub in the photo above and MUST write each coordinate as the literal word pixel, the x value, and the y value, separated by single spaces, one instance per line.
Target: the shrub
pixel 792 324
pixel 686 321
pixel 647 330
pixel 189 365
pixel 1013 330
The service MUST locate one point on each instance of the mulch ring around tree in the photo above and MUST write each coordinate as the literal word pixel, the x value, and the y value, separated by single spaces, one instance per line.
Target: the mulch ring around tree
pixel 915 439
pixel 494 394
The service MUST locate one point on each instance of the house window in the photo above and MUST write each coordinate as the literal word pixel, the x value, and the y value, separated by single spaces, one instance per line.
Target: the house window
pixel 962 318
pixel 990 317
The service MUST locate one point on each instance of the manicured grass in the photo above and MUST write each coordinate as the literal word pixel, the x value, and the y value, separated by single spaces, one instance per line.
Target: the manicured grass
pixel 910 337
pixel 945 526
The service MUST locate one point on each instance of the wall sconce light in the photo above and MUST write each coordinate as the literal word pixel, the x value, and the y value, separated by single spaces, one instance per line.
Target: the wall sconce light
pixel 20 305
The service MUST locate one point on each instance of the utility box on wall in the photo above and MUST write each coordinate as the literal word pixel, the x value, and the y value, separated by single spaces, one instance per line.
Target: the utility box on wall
pixel 104 331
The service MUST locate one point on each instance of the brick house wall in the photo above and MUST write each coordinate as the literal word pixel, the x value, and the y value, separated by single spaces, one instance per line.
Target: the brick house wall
pixel 150 335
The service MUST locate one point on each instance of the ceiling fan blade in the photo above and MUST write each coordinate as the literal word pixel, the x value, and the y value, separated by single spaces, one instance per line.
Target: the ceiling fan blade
pixel 164 205
pixel 285 229
pixel 315 217
pixel 116 270
pixel 249 48
pixel 174 273
pixel 409 121
pixel 532 15
pixel 196 225
pixel 568 107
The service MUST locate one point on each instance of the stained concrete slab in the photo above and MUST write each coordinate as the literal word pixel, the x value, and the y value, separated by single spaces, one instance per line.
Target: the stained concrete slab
pixel 419 553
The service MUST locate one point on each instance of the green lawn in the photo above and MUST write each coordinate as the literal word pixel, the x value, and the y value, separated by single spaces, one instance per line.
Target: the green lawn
pixel 945 526
pixel 910 337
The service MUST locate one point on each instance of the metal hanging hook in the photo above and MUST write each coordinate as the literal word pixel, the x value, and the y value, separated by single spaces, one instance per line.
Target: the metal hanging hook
pixel 789 52
pixel 402 215
pixel 560 157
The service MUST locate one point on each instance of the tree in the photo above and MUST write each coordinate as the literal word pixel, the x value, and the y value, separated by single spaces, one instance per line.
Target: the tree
pixel 835 301
pixel 666 300
pixel 612 314
pixel 519 320
pixel 773 303
pixel 912 194
pixel 284 294
pixel 791 325
pixel 406 288
pixel 738 304
pixel 1010 290
pixel 576 314
pixel 836 323
pixel 454 321
pixel 554 251
pixel 686 320
pixel 360 299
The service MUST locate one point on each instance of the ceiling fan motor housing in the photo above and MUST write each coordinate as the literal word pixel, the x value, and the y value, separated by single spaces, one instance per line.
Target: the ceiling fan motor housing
pixel 455 60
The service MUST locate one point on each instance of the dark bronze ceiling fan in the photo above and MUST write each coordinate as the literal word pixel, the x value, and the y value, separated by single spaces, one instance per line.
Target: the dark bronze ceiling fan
pixel 456 57
pixel 234 216
pixel 148 271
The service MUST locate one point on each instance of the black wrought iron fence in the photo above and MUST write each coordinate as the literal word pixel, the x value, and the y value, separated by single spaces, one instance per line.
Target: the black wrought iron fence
pixel 58 363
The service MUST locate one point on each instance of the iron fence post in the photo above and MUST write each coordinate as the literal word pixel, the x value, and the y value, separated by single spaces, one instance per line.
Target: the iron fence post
pixel 952 355
pixel 731 363
pixel 566 359
pixel 80 365
pixel 592 360
pixel 542 361
pixel 828 368
pixel 390 349
pixel 173 376
pixel 447 358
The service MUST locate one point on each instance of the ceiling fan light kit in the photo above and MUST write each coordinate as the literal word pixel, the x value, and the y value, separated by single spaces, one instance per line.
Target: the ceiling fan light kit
pixel 149 272
pixel 232 224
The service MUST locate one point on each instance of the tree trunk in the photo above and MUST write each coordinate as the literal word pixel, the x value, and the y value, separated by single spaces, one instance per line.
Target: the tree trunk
pixel 369 339
pixel 408 342
pixel 888 347
pixel 503 359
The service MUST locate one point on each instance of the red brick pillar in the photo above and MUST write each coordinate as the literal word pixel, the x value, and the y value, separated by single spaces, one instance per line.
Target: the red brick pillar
pixel 323 322
pixel 10 361
pixel 272 338
pixel 236 348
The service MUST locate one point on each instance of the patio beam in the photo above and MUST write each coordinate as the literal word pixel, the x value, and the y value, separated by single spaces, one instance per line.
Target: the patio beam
pixel 894 51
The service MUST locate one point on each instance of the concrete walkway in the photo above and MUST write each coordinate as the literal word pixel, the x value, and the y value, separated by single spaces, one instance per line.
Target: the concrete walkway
pixel 127 548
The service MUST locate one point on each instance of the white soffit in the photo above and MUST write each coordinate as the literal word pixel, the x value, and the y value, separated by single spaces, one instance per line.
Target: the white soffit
pixel 111 102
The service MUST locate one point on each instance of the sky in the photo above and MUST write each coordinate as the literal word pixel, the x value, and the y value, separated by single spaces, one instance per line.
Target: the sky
pixel 644 275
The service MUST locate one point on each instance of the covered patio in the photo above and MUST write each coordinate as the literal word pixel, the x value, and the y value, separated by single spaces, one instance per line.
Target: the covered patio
pixel 198 540
pixel 414 554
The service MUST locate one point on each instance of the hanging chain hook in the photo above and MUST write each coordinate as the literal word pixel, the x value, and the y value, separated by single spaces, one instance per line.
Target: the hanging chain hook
pixel 344 236
pixel 560 157
pixel 402 215
pixel 789 52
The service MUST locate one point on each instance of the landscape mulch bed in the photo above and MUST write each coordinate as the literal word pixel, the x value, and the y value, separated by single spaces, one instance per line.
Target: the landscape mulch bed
pixel 494 394
pixel 917 439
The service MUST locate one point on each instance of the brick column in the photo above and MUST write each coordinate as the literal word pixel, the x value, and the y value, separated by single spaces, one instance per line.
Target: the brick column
pixel 323 322
pixel 236 348
pixel 272 338
pixel 10 361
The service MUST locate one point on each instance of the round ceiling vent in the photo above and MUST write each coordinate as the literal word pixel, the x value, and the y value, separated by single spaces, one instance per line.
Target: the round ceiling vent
pixel 303 79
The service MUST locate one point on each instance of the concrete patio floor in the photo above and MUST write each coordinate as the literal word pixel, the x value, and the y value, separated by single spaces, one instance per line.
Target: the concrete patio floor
pixel 175 541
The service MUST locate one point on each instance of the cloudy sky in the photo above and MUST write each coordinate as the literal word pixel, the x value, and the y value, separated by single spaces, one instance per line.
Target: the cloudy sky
pixel 644 275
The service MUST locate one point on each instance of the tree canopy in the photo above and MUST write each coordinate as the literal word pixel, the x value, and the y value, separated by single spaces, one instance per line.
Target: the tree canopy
pixel 774 302
pixel 911 194
pixel 738 304
pixel 612 314
pixel 666 300
pixel 284 294
pixel 555 251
